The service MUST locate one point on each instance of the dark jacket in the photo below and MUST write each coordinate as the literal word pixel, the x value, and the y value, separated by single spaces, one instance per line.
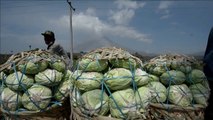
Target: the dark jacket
pixel 58 50
pixel 208 70
pixel 208 57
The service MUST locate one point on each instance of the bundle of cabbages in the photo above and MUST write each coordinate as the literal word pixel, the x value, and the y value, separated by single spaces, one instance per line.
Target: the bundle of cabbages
pixel 111 82
pixel 34 80
pixel 183 79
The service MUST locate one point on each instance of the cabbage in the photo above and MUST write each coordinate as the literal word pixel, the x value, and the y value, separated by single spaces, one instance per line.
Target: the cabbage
pixel 205 83
pixel 18 81
pixel 37 98
pixel 95 101
pixel 200 93
pixel 93 63
pixel 125 100
pixel 124 63
pixel 185 69
pixel 67 75
pixel 159 91
pixel 2 76
pixel 141 77
pixel 158 70
pixel 58 65
pixel 118 78
pixel 63 90
pixel 10 100
pixel 144 97
pixel 64 87
pixel 49 77
pixel 34 65
pixel 176 65
pixel 89 81
pixel 153 78
pixel 75 97
pixel 179 95
pixel 196 76
pixel 173 77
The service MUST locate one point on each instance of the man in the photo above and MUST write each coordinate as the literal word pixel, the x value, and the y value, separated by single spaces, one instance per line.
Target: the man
pixel 49 39
pixel 208 70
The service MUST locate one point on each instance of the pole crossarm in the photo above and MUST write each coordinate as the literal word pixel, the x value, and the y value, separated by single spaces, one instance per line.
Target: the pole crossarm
pixel 69 2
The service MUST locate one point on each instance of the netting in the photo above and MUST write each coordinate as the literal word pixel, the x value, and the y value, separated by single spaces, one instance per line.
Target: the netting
pixel 110 74
pixel 107 83
pixel 186 86
pixel 35 84
pixel 166 87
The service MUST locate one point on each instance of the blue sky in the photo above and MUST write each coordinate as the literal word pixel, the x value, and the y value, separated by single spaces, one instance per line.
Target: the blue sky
pixel 140 26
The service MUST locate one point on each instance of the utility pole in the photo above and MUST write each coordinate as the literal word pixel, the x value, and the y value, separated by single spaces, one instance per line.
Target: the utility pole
pixel 71 31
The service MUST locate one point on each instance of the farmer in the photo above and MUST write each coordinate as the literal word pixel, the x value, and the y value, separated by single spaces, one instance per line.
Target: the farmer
pixel 208 70
pixel 57 49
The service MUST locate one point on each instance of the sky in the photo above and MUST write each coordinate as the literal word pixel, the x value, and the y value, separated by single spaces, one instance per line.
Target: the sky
pixel 143 26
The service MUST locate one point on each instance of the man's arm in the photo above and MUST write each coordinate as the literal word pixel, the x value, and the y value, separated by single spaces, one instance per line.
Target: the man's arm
pixel 59 50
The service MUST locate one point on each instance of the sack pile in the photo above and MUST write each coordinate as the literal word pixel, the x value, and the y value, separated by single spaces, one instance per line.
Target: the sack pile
pixel 111 82
pixel 34 81
pixel 183 83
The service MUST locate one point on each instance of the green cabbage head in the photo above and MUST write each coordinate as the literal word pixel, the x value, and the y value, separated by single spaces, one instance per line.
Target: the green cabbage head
pixel 96 101
pixel 3 76
pixel 125 100
pixel 159 92
pixel 67 75
pixel 200 93
pixel 49 77
pixel 18 81
pixel 63 90
pixel 144 97
pixel 10 100
pixel 196 76
pixel 177 65
pixel 34 65
pixel 172 77
pixel 93 63
pixel 141 77
pixel 37 98
pixel 118 78
pixel 158 70
pixel 124 63
pixel 180 95
pixel 58 65
pixel 89 81
pixel 153 78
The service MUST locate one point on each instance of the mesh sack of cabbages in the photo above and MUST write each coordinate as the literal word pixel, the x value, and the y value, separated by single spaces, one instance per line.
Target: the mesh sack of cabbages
pixel 110 83
pixel 183 85
pixel 35 83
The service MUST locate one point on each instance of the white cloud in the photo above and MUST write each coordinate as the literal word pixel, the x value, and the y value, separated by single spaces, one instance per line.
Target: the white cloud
pixel 93 24
pixel 122 17
pixel 163 9
pixel 165 16
pixel 125 11
pixel 127 32
pixel 128 4
pixel 165 4
pixel 91 11
pixel 88 27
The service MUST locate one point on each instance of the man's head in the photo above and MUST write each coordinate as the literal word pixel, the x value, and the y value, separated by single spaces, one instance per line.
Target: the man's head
pixel 49 37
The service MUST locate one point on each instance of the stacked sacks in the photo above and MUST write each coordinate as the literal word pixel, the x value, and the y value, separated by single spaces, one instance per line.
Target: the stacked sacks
pixel 34 81
pixel 186 84
pixel 110 82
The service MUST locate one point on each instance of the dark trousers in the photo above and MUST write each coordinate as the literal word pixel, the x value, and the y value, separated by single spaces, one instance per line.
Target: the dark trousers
pixel 209 109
